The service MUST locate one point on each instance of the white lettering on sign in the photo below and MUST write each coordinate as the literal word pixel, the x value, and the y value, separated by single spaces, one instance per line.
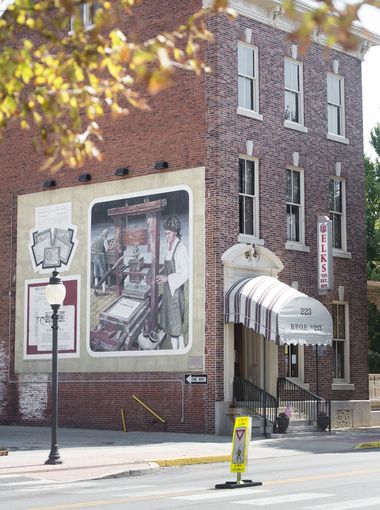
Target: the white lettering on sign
pixel 324 254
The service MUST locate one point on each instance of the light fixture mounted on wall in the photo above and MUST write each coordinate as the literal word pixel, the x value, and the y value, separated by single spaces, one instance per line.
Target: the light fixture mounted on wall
pixel 84 177
pixel 161 165
pixel 49 183
pixel 121 172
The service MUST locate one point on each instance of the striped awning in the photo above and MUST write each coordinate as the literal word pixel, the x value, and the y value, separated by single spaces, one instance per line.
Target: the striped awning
pixel 279 312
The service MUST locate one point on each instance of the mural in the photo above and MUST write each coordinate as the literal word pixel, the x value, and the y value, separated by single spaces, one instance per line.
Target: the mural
pixel 38 313
pixel 140 272
pixel 53 239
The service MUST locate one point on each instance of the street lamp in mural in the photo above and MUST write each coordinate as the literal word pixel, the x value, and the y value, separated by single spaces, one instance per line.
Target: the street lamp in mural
pixel 55 295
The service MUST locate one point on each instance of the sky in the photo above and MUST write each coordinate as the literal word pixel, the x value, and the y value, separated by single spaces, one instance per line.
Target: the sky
pixel 370 18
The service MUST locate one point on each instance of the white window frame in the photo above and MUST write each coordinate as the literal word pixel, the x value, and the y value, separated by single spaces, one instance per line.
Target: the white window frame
pixel 87 12
pixel 241 109
pixel 300 244
pixel 244 236
pixel 344 382
pixel 336 135
pixel 343 249
pixel 300 124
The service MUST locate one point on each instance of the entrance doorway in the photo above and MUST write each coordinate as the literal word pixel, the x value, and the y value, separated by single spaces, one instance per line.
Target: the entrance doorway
pixel 249 358
pixel 292 360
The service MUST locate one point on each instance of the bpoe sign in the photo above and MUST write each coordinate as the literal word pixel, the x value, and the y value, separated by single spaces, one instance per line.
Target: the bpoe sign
pixel 325 256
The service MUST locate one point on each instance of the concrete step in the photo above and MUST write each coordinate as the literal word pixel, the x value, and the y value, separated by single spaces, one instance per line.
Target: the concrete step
pixel 271 435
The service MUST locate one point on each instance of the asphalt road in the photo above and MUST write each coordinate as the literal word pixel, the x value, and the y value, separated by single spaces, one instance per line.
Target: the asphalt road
pixel 337 481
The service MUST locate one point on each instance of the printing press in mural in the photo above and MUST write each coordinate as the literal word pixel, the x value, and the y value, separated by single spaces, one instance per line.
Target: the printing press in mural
pixel 139 274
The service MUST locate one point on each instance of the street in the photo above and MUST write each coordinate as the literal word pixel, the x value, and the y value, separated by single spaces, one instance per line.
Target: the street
pixel 333 481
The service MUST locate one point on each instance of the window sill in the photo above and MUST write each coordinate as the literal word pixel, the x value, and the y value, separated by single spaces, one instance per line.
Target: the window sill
pixel 249 113
pixel 297 127
pixel 289 245
pixel 337 138
pixel 343 386
pixel 341 254
pixel 246 238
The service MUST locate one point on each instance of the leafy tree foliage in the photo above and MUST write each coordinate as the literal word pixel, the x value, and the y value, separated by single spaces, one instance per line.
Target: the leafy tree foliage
pixel 374 339
pixel 372 181
pixel 60 82
pixel 332 18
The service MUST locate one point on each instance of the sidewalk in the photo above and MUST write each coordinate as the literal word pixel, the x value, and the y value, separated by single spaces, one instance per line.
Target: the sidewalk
pixel 89 454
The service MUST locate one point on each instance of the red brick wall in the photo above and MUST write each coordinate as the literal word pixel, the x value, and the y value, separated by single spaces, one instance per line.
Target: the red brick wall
pixel 273 146
pixel 175 132
pixel 195 123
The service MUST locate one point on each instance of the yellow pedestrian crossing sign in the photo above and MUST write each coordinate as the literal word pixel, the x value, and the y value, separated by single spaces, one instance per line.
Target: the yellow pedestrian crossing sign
pixel 240 443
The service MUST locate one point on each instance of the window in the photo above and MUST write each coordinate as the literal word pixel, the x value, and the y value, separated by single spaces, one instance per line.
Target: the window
pixel 294 206
pixel 340 341
pixel 248 197
pixel 248 93
pixel 337 208
pixel 335 105
pixel 87 13
pixel 293 91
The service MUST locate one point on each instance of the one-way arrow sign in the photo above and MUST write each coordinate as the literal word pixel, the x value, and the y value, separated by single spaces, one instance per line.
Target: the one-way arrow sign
pixel 195 379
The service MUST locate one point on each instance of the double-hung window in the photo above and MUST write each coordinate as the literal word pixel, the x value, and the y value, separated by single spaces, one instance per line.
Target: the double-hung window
pixel 87 14
pixel 248 197
pixel 294 206
pixel 335 105
pixel 293 91
pixel 248 89
pixel 337 206
pixel 340 342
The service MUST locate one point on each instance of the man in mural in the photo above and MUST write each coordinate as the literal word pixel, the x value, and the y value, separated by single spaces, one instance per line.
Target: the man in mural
pixel 176 269
pixel 100 266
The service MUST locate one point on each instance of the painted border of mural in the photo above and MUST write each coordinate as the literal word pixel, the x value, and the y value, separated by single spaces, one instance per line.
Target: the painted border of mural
pixel 37 323
pixel 140 273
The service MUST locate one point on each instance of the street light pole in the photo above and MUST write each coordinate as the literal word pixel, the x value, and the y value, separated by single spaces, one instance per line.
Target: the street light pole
pixel 55 294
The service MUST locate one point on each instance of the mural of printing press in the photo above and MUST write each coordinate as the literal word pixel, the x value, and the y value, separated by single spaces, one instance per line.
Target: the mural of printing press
pixel 140 274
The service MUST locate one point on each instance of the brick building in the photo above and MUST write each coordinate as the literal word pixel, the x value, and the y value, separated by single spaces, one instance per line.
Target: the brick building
pixel 226 180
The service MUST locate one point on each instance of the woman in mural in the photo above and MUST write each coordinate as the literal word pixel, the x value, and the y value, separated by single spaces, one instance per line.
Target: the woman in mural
pixel 176 273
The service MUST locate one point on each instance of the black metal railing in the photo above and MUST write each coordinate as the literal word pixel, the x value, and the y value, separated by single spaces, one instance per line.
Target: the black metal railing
pixel 301 400
pixel 255 399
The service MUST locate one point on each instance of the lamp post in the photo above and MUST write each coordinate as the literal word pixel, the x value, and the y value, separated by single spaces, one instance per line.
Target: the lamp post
pixel 55 295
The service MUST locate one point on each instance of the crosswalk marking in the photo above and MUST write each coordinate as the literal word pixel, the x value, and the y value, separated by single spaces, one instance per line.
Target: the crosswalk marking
pixel 220 494
pixel 287 498
pixel 348 505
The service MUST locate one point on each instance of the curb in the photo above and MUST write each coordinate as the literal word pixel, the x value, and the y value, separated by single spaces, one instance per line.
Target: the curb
pixel 365 446
pixel 183 461
pixel 142 470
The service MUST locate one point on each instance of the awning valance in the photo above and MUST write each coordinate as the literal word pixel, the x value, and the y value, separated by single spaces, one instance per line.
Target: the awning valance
pixel 279 312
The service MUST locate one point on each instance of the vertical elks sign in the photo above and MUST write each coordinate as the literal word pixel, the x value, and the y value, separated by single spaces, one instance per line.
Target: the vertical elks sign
pixel 325 258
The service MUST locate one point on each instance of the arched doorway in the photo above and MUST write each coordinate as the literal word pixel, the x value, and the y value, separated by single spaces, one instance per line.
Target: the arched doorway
pixel 243 348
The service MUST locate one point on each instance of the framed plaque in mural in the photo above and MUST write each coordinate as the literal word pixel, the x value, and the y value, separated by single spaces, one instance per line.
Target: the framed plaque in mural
pixel 63 239
pixel 38 334
pixel 52 257
pixel 53 238
pixel 140 273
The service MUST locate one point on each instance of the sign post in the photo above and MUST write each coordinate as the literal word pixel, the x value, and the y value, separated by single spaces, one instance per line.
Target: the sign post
pixel 239 458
